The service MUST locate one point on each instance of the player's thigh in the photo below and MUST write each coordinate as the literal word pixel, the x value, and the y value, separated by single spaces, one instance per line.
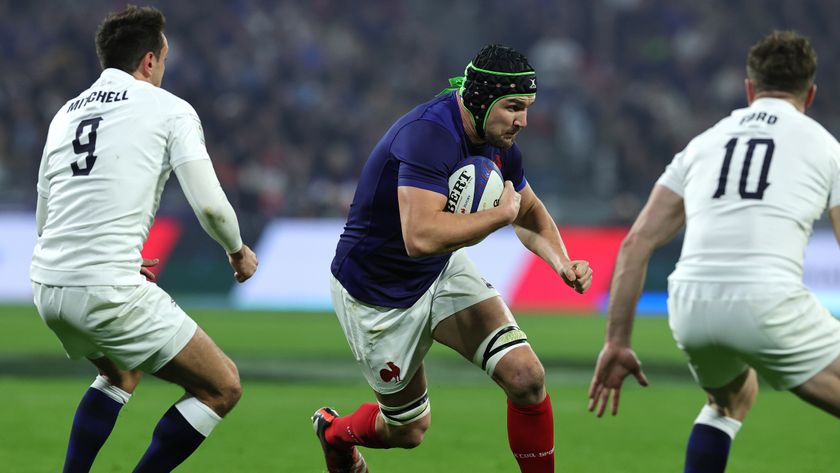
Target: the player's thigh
pixel 202 369
pixel 466 309
pixel 735 399
pixel 823 389
pixel 405 415
pixel 416 387
pixel 388 344
pixel 464 330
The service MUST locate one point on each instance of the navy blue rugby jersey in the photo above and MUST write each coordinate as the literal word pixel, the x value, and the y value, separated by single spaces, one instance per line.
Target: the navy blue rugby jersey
pixel 420 150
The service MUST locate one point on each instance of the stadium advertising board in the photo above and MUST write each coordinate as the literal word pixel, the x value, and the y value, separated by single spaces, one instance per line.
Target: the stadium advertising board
pixel 19 236
pixel 295 257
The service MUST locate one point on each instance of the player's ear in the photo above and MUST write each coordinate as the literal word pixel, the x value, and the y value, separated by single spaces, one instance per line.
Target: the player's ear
pixel 145 66
pixel 812 92
pixel 748 87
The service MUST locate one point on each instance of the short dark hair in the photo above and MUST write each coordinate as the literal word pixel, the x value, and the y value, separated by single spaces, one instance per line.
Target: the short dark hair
pixel 125 37
pixel 498 58
pixel 782 61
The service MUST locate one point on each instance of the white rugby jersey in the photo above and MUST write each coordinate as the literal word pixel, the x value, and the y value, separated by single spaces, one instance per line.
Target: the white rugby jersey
pixel 753 185
pixel 108 154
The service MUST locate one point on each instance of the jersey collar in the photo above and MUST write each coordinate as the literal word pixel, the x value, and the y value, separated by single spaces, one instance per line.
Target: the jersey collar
pixel 773 101
pixel 116 75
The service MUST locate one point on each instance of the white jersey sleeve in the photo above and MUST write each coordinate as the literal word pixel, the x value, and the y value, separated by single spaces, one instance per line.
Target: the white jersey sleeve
pixel 208 201
pixel 674 175
pixel 752 186
pixel 186 138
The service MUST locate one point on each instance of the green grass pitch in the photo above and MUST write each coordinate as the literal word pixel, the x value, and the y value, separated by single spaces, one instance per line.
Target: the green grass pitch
pixel 292 364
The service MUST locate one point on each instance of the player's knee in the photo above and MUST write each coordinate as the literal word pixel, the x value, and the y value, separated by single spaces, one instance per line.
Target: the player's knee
pixel 225 395
pixel 523 379
pixel 411 435
pixel 407 424
pixel 232 392
pixel 225 399
pixel 125 380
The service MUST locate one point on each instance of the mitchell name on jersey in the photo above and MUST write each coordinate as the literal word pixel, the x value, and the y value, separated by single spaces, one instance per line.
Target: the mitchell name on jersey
pixel 101 96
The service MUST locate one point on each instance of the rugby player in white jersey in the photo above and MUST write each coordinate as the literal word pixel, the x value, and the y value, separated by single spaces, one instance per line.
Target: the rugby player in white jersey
pixel 108 154
pixel 748 190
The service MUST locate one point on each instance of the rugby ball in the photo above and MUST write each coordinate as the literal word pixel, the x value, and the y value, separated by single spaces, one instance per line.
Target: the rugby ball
pixel 475 185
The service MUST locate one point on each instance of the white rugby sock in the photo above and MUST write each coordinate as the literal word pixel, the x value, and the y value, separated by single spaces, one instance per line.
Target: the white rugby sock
pixel 199 415
pixel 101 384
pixel 710 416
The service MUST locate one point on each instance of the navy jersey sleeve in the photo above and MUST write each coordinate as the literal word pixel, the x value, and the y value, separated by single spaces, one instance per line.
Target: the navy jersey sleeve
pixel 512 169
pixel 427 153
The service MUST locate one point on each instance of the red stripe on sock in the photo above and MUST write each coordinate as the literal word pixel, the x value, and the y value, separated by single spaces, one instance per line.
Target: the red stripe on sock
pixel 358 428
pixel 531 436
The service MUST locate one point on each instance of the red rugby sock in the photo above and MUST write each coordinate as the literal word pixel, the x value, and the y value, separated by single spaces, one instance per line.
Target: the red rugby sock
pixel 531 436
pixel 358 428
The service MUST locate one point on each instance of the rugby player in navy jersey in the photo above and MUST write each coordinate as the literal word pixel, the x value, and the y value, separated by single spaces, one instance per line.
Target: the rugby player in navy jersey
pixel 401 281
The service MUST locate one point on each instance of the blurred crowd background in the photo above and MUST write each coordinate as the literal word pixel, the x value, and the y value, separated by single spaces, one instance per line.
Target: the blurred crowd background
pixel 294 94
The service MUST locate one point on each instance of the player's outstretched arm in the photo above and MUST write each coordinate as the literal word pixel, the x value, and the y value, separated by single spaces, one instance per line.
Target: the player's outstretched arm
pixel 208 201
pixel 659 221
pixel 429 230
pixel 538 232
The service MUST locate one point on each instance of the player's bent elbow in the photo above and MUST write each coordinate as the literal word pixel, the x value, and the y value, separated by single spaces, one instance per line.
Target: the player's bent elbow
pixel 417 248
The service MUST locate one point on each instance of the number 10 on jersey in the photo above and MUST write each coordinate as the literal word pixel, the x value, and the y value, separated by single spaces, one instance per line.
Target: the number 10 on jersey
pixel 758 194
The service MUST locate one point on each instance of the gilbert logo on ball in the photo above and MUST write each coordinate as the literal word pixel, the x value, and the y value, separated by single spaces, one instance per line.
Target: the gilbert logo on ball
pixel 475 185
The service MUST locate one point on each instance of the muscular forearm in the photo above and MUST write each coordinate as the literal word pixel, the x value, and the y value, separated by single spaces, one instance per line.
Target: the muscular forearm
pixel 626 288
pixel 538 232
pixel 208 201
pixel 445 232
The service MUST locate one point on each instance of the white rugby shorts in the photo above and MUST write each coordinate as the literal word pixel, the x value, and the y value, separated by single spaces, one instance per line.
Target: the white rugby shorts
pixel 389 344
pixel 136 327
pixel 782 332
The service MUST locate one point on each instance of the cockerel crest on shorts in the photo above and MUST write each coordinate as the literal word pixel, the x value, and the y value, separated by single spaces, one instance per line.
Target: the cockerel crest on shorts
pixel 393 372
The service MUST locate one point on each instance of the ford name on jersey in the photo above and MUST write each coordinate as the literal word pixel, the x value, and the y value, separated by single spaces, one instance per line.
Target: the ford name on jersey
pixel 100 96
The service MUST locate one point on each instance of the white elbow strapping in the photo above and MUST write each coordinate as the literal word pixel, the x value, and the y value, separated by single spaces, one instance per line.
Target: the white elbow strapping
pixel 497 345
